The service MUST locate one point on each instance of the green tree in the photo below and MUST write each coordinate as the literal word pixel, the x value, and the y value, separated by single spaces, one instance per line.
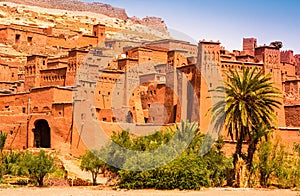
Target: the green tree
pixel 247 109
pixel 91 162
pixel 3 137
pixel 38 166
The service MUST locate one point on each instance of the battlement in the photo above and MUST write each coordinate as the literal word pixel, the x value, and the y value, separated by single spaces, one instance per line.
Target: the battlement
pixel 287 56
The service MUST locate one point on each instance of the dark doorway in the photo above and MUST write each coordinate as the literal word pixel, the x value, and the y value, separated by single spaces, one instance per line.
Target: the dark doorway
pixel 129 117
pixel 174 113
pixel 42 138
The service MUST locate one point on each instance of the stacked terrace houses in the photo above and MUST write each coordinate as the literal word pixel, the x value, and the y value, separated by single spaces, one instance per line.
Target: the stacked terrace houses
pixel 68 75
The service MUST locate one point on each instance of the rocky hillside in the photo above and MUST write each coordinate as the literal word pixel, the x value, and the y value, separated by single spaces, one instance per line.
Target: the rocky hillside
pixel 134 29
pixel 95 7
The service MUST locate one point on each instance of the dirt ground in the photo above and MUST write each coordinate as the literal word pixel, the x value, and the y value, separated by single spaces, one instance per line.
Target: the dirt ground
pixel 90 191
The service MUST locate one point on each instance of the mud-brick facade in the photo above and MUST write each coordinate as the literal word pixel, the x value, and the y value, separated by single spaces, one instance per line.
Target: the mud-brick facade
pixel 41 118
pixel 50 40
pixel 124 82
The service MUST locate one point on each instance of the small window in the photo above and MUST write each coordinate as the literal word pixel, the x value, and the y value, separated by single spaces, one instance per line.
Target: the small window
pixel 104 119
pixel 29 40
pixel 23 110
pixel 18 36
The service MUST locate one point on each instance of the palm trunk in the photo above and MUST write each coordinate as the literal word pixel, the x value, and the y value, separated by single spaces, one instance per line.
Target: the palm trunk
pixel 251 151
pixel 238 149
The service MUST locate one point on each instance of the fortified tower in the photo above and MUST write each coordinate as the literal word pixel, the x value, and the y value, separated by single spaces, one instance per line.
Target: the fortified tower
pixel 270 56
pixel 99 32
pixel 209 64
pixel 33 70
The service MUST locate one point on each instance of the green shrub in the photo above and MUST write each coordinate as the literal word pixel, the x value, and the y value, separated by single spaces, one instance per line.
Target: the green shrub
pixel 3 137
pixel 167 159
pixel 186 172
pixel 38 166
pixel 13 163
pixel 276 166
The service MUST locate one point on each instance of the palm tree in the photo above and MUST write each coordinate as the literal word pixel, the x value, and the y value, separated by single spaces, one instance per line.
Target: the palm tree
pixel 247 110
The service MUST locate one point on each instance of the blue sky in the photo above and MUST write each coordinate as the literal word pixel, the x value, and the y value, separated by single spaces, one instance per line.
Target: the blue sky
pixel 225 20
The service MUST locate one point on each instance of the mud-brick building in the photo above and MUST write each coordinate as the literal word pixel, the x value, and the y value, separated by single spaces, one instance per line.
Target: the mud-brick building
pixel 50 40
pixel 39 118
pixel 156 83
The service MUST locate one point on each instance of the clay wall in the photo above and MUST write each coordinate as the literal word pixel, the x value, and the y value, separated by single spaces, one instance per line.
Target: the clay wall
pixel 191 49
pixel 288 69
pixel 53 77
pixel 15 119
pixel 292 92
pixel 297 64
pixel 292 114
pixel 287 57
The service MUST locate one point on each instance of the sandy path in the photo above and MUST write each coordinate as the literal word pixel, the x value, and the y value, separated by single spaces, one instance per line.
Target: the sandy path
pixel 88 191
pixel 74 171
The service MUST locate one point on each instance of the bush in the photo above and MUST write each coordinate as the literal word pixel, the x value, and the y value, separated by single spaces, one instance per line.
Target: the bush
pixel 38 166
pixel 186 172
pixel 276 166
pixel 3 137
pixel 13 163
pixel 167 160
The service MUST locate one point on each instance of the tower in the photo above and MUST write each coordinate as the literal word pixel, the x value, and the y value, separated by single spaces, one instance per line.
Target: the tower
pixel 211 77
pixel 249 45
pixel 32 70
pixel 99 32
pixel 270 56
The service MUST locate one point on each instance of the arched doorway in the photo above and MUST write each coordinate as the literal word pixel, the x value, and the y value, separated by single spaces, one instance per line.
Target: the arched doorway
pixel 42 138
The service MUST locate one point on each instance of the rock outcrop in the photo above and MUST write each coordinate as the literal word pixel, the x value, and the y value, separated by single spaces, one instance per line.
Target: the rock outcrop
pixel 152 22
pixel 75 5
pixel 96 7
